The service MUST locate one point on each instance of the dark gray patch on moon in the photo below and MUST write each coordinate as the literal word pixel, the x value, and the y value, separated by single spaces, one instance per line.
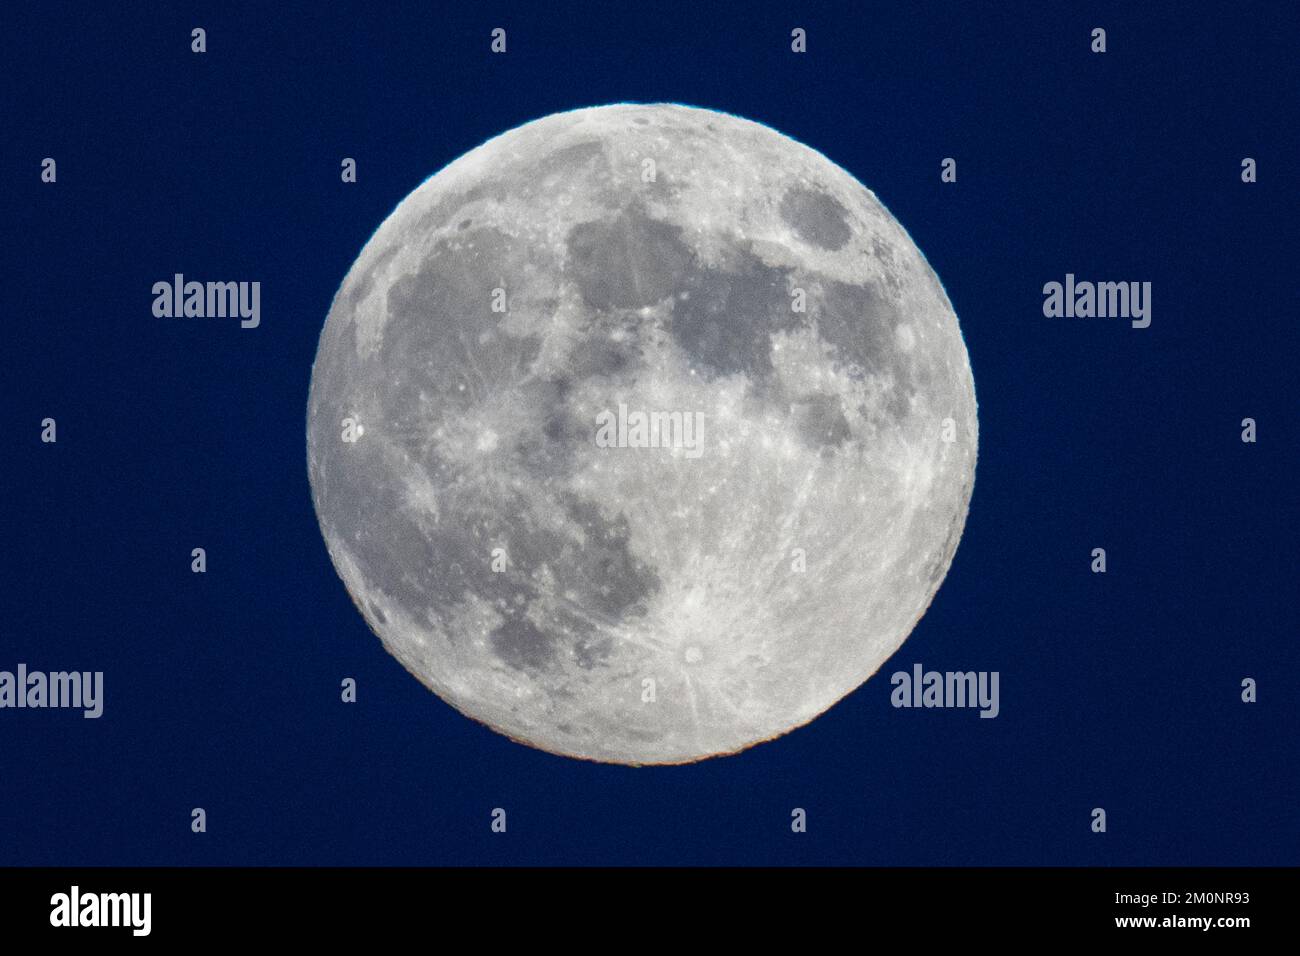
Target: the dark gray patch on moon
pixel 451 282
pixel 627 262
pixel 600 567
pixel 518 643
pixel 385 543
pixel 570 157
pixel 859 321
pixel 548 451
pixel 602 354
pixel 726 320
pixel 820 422
pixel 595 572
pixel 817 218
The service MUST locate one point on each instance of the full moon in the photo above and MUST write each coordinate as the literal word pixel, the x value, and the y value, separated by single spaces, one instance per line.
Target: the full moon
pixel 641 433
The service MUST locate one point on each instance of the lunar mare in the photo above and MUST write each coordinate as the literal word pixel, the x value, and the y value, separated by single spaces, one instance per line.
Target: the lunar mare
pixel 625 601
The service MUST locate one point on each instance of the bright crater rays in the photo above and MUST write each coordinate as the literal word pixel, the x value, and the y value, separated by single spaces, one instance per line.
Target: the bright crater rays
pixel 685 586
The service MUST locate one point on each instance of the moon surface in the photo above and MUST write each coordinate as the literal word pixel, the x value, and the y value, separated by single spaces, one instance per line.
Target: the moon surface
pixel 545 561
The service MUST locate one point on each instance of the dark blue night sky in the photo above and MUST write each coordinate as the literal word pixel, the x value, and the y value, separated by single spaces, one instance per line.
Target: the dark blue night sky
pixel 1119 690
